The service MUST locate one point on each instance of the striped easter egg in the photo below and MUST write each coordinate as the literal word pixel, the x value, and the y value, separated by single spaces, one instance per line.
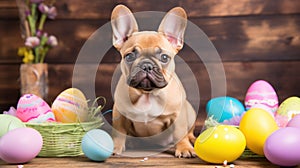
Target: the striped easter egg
pixel 261 92
pixel 34 109
pixel 70 106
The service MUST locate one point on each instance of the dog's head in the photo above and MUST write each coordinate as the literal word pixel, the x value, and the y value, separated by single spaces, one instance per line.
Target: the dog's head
pixel 148 56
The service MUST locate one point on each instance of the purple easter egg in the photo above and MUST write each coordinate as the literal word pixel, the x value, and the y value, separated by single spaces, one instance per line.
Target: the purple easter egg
pixel 283 148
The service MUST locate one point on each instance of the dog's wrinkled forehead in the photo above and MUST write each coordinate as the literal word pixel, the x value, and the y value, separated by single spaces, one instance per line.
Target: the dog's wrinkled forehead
pixel 146 40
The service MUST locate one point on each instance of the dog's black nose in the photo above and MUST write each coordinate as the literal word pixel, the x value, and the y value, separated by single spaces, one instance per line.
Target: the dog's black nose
pixel 147 67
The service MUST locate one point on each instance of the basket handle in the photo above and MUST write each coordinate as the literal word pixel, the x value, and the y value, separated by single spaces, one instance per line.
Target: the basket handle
pixel 103 99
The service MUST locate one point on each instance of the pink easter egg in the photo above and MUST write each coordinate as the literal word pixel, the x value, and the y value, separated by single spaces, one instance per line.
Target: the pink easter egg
pixel 20 145
pixel 261 92
pixel 32 108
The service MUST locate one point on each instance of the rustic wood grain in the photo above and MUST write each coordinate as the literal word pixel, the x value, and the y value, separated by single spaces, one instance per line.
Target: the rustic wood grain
pixel 217 8
pixel 95 9
pixel 268 38
pixel 265 38
pixel 161 160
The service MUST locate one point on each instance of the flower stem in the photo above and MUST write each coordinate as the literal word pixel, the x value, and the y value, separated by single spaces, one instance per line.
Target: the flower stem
pixel 37 54
pixel 33 9
pixel 32 19
pixel 31 25
pixel 44 54
pixel 43 48
pixel 42 21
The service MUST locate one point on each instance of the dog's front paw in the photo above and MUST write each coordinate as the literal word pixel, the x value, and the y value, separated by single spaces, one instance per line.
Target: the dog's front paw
pixel 118 150
pixel 185 151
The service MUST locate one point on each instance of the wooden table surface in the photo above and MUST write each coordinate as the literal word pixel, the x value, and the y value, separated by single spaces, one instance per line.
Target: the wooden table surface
pixel 160 160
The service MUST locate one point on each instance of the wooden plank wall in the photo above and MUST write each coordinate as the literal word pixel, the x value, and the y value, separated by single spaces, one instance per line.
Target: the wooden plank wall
pixel 256 39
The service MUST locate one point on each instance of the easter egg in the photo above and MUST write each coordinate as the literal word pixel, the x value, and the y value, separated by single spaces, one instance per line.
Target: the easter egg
pixel 289 107
pixel 20 145
pixel 70 106
pixel 220 143
pixel 294 122
pixel 34 109
pixel 264 107
pixel 8 123
pixel 97 145
pixel 257 124
pixel 261 92
pixel 224 108
pixel 283 147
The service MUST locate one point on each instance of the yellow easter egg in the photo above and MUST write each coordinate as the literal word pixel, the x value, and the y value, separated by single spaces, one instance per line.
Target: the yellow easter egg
pixel 257 125
pixel 220 143
pixel 70 106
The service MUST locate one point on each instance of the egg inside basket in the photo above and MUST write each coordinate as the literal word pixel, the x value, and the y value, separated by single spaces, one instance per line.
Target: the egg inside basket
pixel 64 139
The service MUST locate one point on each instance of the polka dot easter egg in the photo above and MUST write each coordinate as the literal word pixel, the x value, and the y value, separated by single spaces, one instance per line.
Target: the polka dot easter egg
pixel 70 106
pixel 34 109
pixel 261 92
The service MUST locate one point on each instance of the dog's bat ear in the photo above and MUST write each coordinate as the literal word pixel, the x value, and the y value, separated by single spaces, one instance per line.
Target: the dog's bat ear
pixel 123 25
pixel 173 26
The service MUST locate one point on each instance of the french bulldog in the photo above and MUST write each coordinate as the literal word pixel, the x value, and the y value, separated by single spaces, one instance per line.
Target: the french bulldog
pixel 149 99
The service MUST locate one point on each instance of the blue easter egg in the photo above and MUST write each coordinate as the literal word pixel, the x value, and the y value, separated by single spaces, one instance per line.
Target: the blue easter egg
pixel 97 145
pixel 224 108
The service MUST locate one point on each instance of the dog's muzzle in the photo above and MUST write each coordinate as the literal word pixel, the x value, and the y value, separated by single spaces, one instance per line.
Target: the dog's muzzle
pixel 147 76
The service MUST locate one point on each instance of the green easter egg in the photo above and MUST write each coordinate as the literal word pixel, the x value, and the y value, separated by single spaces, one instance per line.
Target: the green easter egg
pixel 8 123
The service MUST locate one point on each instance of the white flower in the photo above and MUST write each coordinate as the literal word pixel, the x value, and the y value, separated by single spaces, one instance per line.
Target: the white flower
pixel 43 8
pixel 52 41
pixel 50 11
pixel 32 42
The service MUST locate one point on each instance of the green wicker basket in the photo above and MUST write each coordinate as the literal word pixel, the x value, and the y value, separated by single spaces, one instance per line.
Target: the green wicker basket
pixel 63 139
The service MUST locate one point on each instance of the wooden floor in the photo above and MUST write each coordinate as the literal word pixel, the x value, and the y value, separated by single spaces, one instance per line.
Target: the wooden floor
pixel 160 160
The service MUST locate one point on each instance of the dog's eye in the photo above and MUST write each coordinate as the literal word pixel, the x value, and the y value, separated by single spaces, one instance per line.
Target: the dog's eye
pixel 130 57
pixel 164 58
